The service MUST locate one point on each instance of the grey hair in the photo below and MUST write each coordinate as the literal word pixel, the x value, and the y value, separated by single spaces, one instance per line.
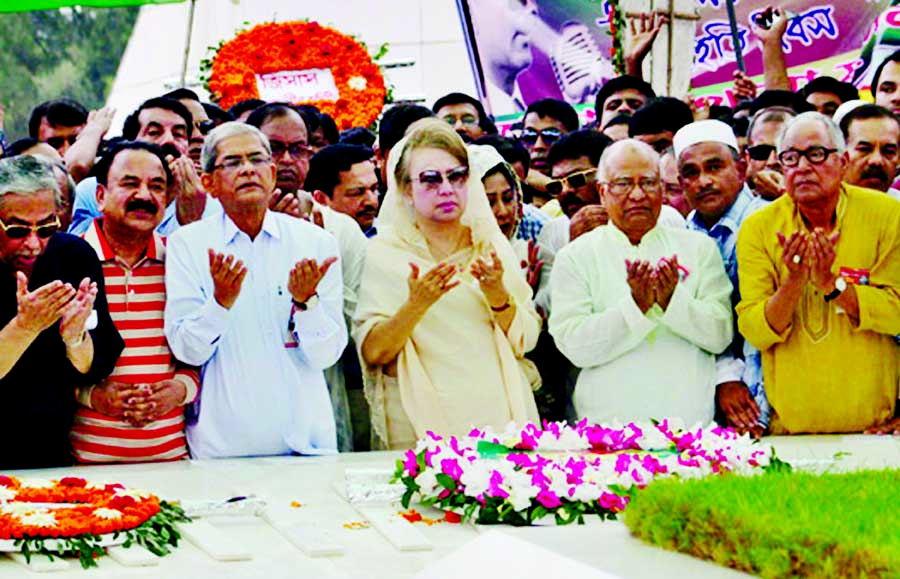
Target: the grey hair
pixel 629 145
pixel 210 154
pixel 26 175
pixel 770 115
pixel 834 132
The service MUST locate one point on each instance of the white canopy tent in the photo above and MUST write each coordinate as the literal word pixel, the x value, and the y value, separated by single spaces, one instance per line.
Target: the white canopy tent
pixel 426 33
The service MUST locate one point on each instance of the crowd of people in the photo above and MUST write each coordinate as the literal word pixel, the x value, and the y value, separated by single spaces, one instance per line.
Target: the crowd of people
pixel 252 282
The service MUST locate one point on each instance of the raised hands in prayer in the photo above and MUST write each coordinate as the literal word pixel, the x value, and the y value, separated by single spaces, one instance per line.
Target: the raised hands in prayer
pixel 739 407
pixel 490 279
pixel 305 278
pixel 653 284
pixel 287 203
pixel 769 184
pixel 820 251
pixel 533 266
pixel 41 308
pixel 228 274
pixel 425 291
pixel 587 219
pixel 641 282
pixel 794 250
pixel 188 190
pixel 75 314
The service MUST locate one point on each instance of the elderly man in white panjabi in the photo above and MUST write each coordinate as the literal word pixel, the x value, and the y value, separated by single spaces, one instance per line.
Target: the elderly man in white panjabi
pixel 641 309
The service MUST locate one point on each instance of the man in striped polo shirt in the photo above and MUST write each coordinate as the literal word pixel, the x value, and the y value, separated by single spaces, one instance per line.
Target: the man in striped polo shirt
pixel 137 414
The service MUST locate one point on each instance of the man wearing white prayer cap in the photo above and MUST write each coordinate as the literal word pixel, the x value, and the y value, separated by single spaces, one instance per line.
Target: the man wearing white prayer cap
pixel 712 173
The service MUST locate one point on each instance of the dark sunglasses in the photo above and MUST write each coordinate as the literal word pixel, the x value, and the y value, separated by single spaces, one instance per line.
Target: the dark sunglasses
pixel 22 231
pixel 574 181
pixel 205 126
pixel 550 136
pixel 456 178
pixel 760 152
pixel 58 142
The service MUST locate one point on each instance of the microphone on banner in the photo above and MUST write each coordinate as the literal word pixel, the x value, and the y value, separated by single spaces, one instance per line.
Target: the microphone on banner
pixel 577 62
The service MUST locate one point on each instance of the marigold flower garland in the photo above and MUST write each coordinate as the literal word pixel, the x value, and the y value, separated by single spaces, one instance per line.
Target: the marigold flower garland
pixel 28 516
pixel 524 475
pixel 284 46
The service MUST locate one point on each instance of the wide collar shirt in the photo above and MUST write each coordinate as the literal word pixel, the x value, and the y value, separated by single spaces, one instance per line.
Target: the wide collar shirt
pixel 636 365
pixel 263 390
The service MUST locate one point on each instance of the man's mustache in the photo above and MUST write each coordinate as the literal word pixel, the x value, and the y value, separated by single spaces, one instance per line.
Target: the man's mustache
pixel 142 205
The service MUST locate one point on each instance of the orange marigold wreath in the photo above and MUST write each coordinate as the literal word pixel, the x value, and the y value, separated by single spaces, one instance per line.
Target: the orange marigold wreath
pixel 284 46
pixel 124 509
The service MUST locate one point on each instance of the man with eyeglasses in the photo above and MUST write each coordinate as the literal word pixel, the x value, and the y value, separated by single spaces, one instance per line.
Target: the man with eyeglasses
pixel 764 174
pixel 465 114
pixel 57 334
pixel 167 123
pixel 820 291
pixel 545 122
pixel 642 309
pixel 252 296
pixel 711 172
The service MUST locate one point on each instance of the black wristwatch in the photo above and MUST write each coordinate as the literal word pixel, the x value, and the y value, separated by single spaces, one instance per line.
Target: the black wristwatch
pixel 839 287
pixel 311 302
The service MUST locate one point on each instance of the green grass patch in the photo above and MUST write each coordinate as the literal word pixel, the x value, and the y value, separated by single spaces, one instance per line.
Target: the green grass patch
pixel 779 524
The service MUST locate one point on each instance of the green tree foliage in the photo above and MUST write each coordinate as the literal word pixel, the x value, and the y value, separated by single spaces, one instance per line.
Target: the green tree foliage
pixel 67 52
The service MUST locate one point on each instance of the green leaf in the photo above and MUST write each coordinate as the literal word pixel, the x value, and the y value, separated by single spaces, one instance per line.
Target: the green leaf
pixel 446 481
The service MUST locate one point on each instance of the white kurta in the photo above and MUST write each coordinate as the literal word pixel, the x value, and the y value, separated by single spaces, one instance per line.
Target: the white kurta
pixel 262 387
pixel 638 366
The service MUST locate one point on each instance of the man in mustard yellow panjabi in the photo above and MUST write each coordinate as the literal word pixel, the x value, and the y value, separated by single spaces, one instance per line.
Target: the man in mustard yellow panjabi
pixel 819 271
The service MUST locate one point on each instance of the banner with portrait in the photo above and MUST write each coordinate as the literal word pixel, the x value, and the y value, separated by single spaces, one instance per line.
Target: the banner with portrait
pixel 524 50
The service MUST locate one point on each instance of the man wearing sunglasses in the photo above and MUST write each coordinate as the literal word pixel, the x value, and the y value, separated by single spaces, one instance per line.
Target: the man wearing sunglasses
pixel 58 123
pixel 764 174
pixel 545 122
pixel 202 123
pixel 711 173
pixel 57 334
pixel 820 277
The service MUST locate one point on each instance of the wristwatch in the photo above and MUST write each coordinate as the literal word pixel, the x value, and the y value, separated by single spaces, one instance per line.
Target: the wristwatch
pixel 840 285
pixel 311 302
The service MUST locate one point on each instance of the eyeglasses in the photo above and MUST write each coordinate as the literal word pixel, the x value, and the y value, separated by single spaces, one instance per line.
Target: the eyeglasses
pixel 432 180
pixel 235 163
pixel 622 187
pixel 549 136
pixel 760 152
pixel 574 181
pixel 205 126
pixel 296 150
pixel 815 155
pixel 58 142
pixel 467 120
pixel 22 231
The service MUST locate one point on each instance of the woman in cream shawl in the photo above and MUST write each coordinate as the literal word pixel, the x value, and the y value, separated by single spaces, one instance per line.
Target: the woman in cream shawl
pixel 444 312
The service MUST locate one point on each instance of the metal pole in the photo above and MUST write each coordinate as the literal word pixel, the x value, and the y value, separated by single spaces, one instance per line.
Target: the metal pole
pixel 735 37
pixel 187 43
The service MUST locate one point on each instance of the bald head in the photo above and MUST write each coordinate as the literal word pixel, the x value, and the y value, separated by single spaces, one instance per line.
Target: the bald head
pixel 624 149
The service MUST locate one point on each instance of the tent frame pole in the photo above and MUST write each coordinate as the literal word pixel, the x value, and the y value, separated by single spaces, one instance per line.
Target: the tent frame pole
pixel 187 43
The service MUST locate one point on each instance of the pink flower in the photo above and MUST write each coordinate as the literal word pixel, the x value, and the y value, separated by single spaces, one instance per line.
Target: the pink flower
pixel 613 502
pixel 451 468
pixel 429 453
pixel 549 499
pixel 410 463
pixel 575 470
pixel 623 463
pixel 495 488
pixel 434 436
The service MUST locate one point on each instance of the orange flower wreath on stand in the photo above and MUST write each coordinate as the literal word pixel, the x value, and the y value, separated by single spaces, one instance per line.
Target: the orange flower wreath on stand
pixel 272 48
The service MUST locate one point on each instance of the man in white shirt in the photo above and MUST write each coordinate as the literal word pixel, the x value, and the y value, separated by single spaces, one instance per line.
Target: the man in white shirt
pixel 642 309
pixel 252 297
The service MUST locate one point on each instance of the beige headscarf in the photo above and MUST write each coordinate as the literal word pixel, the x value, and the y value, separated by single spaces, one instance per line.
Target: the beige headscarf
pixel 380 297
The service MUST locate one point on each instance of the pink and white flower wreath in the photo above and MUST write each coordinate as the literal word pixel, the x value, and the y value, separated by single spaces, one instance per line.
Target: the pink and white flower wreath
pixel 524 475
